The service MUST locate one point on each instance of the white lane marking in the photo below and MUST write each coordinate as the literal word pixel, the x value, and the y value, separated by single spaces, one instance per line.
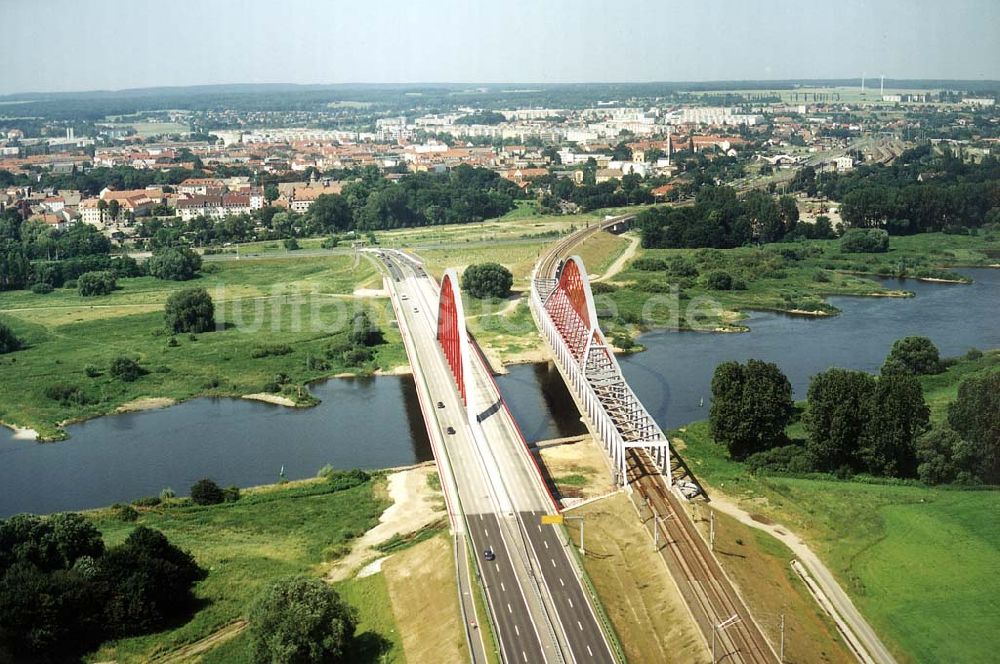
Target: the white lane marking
pixel 545 543
pixel 517 631
pixel 481 517
pixel 485 533
pixel 553 561
pixel 561 583
pixel 590 651
pixel 580 625
pixel 511 611
pixel 539 527
pixel 570 600
pixel 498 568
pixel 503 587
pixel 525 657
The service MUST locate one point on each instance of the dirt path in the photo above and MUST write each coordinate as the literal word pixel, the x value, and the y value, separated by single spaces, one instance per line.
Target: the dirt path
pixel 191 651
pixel 414 505
pixel 848 613
pixel 620 262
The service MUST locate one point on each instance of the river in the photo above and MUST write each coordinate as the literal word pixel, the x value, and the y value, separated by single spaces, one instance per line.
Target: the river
pixel 376 422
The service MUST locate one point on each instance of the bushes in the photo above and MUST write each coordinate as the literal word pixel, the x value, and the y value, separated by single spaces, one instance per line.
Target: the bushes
pixel 647 264
pixel 341 480
pixel 864 241
pixel 190 310
pixel 719 280
pixel 125 369
pixel 207 492
pixel 67 395
pixel 487 280
pixel 267 350
pixel 9 342
pixel 42 288
pixel 96 283
pixel 174 264
pixel 291 244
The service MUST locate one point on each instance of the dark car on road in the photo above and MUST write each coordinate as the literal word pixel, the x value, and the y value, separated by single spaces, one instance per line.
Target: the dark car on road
pixel 489 555
pixel 450 430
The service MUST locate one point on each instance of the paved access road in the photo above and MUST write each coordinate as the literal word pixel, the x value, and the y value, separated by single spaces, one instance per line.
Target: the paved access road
pixel 540 607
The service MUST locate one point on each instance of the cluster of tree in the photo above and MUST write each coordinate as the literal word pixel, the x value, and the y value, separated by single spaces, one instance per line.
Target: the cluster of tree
pixel 921 191
pixel 554 190
pixel 62 591
pixel 719 219
pixel 92 181
pixel 485 280
pixel 190 310
pixel 864 241
pixel 966 449
pixel 357 346
pixel 855 422
pixel 482 118
pixel 174 264
pixel 100 282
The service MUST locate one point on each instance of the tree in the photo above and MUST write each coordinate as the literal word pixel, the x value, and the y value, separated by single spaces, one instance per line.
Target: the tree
pixel 96 283
pixel 751 406
pixel 125 369
pixel 300 620
pixel 975 416
pixel 114 209
pixel 207 492
pixel 190 310
pixel 9 342
pixel 719 280
pixel 864 241
pixel 897 414
pixel 487 280
pixel 330 213
pixel 912 356
pixel 174 264
pixel 271 193
pixel 835 417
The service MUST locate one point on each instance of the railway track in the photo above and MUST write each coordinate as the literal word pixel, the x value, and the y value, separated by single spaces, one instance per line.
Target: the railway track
pixel 561 249
pixel 705 588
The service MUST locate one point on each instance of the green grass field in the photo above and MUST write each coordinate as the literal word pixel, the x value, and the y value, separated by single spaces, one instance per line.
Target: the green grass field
pixel 786 277
pixel 270 533
pixel 918 561
pixel 300 302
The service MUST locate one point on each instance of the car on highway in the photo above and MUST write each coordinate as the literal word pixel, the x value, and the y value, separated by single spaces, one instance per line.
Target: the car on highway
pixel 450 430
pixel 404 296
pixel 415 310
pixel 440 404
pixel 489 555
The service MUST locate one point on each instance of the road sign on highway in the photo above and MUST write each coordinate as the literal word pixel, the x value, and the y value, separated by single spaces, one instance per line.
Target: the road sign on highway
pixel 552 519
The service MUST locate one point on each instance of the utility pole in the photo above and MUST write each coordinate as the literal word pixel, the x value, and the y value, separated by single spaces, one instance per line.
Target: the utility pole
pixel 731 620
pixel 781 648
pixel 583 550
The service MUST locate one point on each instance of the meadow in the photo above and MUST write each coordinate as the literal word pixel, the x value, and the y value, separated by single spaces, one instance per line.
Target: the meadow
pixel 794 277
pixel 270 533
pixel 296 307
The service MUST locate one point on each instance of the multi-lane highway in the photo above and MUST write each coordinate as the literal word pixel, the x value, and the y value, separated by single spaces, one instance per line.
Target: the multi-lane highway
pixel 540 608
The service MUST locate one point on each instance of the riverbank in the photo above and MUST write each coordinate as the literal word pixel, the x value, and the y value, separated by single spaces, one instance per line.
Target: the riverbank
pixel 281 326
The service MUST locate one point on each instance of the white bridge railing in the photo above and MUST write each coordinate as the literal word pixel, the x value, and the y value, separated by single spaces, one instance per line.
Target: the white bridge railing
pixel 597 409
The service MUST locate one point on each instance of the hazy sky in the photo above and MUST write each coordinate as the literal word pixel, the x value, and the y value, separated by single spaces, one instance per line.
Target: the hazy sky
pixel 114 44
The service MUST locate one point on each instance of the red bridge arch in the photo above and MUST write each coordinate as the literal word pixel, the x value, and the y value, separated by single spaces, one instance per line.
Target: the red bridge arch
pixel 451 332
